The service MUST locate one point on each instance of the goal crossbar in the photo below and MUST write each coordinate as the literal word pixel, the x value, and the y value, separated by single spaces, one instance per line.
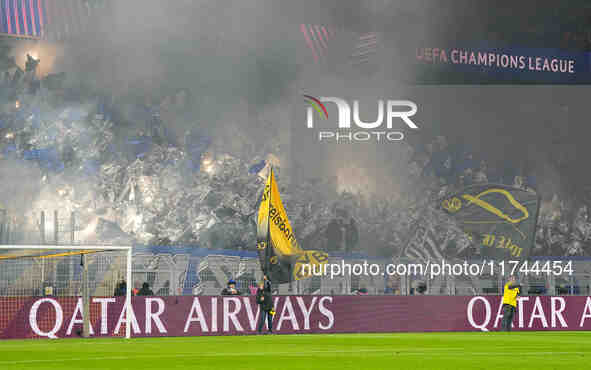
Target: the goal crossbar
pixel 101 248
pixel 53 255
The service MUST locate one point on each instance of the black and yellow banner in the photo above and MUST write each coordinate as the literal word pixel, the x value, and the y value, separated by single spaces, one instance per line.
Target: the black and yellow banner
pixel 284 260
pixel 272 209
pixel 500 219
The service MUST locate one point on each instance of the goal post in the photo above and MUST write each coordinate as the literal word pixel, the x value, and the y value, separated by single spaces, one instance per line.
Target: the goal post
pixel 70 274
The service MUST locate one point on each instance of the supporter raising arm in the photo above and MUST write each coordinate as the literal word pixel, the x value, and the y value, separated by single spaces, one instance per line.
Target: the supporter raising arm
pixel 511 291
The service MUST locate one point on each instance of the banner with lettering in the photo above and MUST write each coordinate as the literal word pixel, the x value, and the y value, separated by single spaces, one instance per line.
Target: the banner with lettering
pixel 437 64
pixel 284 261
pixel 501 220
pixel 47 317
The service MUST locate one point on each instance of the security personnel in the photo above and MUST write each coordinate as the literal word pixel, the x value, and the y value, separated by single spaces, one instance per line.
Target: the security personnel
pixel 265 301
pixel 510 293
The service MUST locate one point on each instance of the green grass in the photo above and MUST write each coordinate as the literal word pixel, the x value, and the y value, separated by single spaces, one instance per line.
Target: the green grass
pixel 516 350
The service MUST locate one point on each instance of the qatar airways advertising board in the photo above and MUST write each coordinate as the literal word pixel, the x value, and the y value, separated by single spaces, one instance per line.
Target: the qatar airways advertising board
pixel 49 317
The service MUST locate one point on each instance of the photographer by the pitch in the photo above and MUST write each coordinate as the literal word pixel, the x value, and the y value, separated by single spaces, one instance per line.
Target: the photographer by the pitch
pixel 510 294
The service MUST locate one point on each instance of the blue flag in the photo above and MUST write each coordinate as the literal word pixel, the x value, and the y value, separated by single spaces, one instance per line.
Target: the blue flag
pixel 257 167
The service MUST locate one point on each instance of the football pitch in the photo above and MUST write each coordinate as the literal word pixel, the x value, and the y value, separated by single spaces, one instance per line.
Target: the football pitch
pixel 516 350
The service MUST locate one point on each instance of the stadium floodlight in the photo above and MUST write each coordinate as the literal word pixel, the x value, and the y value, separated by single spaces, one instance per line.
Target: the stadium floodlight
pixel 71 272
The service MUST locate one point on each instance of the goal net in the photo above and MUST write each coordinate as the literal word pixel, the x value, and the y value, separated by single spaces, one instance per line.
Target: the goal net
pixel 65 291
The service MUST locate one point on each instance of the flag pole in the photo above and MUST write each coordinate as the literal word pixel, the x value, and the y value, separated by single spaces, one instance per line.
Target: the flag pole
pixel 267 250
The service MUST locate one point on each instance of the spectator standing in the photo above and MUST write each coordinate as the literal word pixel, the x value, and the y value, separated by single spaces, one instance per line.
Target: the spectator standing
pixel 231 289
pixel 146 291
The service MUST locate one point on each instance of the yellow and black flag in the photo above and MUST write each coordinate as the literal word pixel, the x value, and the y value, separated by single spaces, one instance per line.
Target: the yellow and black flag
pixel 280 255
pixel 500 219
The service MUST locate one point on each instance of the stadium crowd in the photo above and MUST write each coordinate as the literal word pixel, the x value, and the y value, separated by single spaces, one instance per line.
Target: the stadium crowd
pixel 141 168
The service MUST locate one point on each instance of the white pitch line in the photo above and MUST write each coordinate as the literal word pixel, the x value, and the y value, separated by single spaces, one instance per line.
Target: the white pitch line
pixel 393 352
pixel 150 341
pixel 179 355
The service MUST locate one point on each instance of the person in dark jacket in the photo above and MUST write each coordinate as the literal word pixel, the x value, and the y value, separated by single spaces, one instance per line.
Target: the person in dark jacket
pixel 265 301
pixel 145 290
pixel 121 289
pixel 231 289
pixel 267 286
pixel 267 283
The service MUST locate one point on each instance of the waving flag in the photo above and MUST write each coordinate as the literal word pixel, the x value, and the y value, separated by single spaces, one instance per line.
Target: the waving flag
pixel 281 257
pixel 257 167
pixel 318 39
pixel 365 48
pixel 55 20
pixel 23 18
pixel 500 219
pixel 325 41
